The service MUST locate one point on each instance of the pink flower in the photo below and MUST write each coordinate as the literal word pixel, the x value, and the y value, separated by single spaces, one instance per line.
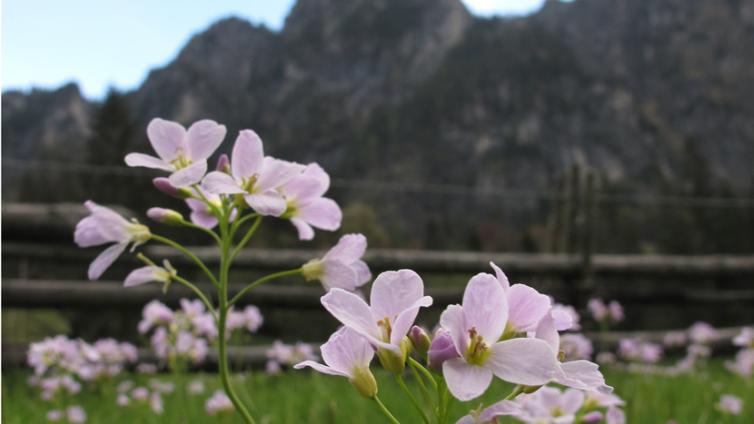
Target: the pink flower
pixel 253 176
pixel 639 351
pixel 155 403
pixel 566 317
pixel 616 311
pixel 475 327
pixel 703 333
pixel 730 404
pixel 192 308
pixel 674 338
pixel 546 405
pixel 140 393
pixel 526 306
pixel 440 350
pixel 576 346
pixel 605 358
pixel 104 226
pixel 348 354
pixel 743 364
pixel 598 309
pixel 306 206
pixel 615 416
pixel 395 301
pixel 154 313
pixel 342 266
pixel 122 400
pixel 54 415
pixel 579 374
pixel 196 387
pixel 76 414
pixel 149 273
pixel 218 402
pixel 745 338
pixel 252 318
pixel 183 153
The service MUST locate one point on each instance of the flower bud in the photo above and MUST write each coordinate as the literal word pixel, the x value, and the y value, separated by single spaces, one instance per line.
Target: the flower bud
pixel 163 184
pixel 529 389
pixel 165 216
pixel 394 361
pixel 420 340
pixel 440 350
pixel 363 380
pixel 313 270
pixel 223 163
pixel 592 417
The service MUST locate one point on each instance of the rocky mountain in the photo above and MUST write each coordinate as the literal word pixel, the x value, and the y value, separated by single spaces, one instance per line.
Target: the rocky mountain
pixel 46 124
pixel 654 95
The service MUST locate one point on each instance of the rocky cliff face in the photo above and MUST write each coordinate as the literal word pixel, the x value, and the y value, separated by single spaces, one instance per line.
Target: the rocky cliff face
pixel 650 93
pixel 46 124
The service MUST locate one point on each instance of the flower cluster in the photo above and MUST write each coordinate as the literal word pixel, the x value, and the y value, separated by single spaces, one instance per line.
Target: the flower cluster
pixel 281 354
pixel 218 403
pixel 730 404
pixel 73 414
pixel 500 330
pixel 551 405
pixel 61 365
pixel 743 363
pixel 242 190
pixel 604 314
pixel 636 350
pixel 184 336
pixel 139 396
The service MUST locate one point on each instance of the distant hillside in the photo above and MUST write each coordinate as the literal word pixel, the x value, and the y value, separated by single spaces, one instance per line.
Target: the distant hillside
pixel 654 95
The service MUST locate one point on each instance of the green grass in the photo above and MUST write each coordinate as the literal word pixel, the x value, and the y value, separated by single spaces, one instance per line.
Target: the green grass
pixel 305 397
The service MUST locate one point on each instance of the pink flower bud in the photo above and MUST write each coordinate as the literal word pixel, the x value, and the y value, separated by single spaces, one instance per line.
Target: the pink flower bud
pixel 419 339
pixel 165 216
pixel 440 350
pixel 163 184
pixel 223 163
pixel 592 417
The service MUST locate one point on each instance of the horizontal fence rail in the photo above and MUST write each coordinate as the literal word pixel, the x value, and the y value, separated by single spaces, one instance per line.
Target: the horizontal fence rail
pixel 434 261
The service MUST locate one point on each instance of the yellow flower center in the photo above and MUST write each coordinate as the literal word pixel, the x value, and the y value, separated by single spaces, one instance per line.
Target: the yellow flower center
pixel 180 162
pixel 291 210
pixel 248 184
pixel 384 325
pixel 139 233
pixel 477 352
pixel 313 270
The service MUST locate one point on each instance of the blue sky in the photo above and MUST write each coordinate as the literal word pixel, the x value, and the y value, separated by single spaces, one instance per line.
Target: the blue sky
pixel 102 43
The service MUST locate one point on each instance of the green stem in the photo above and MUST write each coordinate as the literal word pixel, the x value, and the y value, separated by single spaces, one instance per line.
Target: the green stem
pixel 240 221
pixel 385 411
pixel 415 364
pixel 246 238
pixel 425 392
pixel 263 280
pixel 198 292
pixel 214 209
pixel 402 384
pixel 221 325
pixel 516 391
pixel 205 230
pixel 189 254
pixel 444 400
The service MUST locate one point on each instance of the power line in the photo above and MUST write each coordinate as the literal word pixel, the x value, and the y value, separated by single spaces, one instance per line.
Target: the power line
pixel 417 188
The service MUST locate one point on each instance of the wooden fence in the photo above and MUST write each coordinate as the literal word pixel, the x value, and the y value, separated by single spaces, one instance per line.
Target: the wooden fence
pixel 42 269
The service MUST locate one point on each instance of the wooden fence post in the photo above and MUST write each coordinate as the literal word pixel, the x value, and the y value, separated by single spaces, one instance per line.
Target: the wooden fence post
pixel 587 236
